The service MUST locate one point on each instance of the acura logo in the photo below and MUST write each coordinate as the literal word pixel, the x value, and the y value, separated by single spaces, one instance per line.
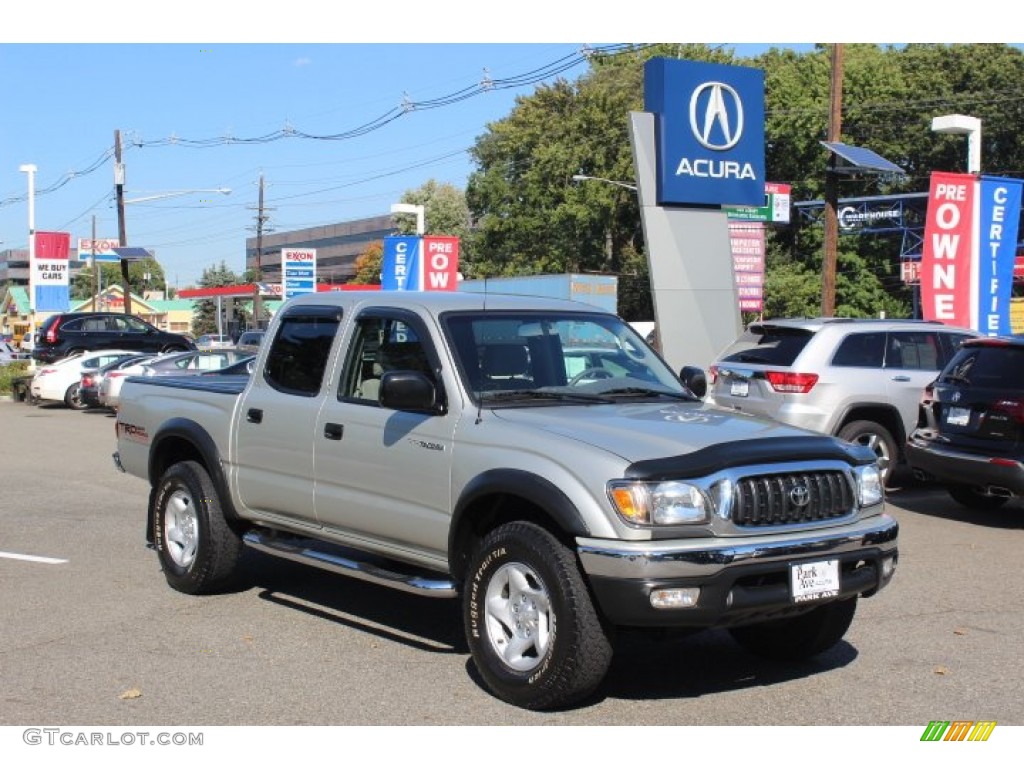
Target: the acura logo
pixel 799 495
pixel 721 125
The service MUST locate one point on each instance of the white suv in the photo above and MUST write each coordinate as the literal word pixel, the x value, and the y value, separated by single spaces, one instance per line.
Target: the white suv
pixel 860 380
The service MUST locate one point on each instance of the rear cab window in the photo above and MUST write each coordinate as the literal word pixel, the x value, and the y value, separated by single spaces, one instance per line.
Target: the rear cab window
pixel 301 349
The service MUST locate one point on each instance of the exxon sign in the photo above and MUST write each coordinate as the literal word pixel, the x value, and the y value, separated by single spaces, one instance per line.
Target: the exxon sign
pixel 709 121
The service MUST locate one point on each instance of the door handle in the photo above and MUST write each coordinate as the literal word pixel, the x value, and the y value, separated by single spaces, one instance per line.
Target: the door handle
pixel 333 431
pixel 901 378
pixel 254 416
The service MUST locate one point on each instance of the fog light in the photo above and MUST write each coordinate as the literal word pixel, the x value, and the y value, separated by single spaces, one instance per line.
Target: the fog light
pixel 888 566
pixel 675 598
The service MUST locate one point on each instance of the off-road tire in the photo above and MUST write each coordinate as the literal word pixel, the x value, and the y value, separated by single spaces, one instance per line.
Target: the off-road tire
pixel 532 628
pixel 878 439
pixel 972 499
pixel 199 552
pixel 800 637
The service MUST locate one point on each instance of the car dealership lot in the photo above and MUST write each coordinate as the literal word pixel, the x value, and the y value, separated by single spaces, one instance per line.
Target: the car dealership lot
pixel 102 639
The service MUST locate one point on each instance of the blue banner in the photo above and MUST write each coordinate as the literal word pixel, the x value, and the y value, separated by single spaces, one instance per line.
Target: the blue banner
pixel 52 298
pixel 1000 201
pixel 400 267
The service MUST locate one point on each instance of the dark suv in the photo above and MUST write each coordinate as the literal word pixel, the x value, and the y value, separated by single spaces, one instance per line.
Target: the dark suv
pixel 70 332
pixel 969 433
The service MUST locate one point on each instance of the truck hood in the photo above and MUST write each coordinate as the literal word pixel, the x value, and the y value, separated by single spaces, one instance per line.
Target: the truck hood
pixel 641 431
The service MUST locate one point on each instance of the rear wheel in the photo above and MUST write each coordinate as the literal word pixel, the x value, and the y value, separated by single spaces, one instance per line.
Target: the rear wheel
pixel 974 499
pixel 878 439
pixel 198 550
pixel 535 636
pixel 73 398
pixel 800 637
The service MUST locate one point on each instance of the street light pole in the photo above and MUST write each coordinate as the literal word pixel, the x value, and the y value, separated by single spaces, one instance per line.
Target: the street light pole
pixel 30 170
pixel 420 212
pixel 960 125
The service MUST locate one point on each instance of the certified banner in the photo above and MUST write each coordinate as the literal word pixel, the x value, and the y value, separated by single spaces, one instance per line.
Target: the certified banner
pixel 400 266
pixel 969 248
pixel 1000 217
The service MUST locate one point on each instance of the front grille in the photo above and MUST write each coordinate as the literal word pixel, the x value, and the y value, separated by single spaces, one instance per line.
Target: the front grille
pixel 782 499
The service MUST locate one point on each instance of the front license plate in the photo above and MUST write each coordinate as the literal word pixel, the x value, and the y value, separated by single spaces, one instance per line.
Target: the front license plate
pixel 958 417
pixel 739 388
pixel 814 581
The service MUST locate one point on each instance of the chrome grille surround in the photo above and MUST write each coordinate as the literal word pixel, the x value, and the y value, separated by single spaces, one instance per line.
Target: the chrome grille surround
pixel 773 496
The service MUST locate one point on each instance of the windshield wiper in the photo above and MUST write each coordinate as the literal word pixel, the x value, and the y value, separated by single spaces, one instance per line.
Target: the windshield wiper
pixel 648 391
pixel 540 394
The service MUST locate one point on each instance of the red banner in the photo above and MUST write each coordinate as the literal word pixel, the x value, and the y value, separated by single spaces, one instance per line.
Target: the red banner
pixel 440 263
pixel 946 256
pixel 52 245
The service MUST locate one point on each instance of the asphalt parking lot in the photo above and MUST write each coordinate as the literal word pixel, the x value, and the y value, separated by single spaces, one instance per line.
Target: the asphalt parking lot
pixel 92 633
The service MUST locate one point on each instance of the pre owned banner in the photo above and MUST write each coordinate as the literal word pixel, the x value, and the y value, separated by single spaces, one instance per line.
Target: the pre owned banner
pixel 968 253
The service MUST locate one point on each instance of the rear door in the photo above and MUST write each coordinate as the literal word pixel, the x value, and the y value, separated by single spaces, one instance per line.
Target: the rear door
pixel 912 361
pixel 275 430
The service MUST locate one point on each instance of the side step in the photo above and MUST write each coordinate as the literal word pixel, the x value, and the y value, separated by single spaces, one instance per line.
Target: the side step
pixel 303 551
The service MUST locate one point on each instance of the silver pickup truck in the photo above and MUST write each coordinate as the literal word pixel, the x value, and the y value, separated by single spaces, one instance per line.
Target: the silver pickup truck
pixel 532 458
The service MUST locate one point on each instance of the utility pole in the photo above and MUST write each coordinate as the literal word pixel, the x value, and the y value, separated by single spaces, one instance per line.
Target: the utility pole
pixel 122 237
pixel 835 124
pixel 261 219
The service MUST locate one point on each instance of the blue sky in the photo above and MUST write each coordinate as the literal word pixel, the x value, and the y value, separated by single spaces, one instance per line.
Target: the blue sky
pixel 63 97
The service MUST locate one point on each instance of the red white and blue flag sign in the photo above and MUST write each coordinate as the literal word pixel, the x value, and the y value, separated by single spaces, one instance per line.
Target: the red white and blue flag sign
pixel 49 275
pixel 413 263
pixel 970 241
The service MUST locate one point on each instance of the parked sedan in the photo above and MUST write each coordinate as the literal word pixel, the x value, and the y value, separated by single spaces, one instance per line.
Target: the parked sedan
pixel 61 381
pixel 89 387
pixel 970 428
pixel 214 341
pixel 175 364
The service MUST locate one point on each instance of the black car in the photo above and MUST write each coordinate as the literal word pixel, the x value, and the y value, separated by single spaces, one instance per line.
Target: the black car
pixel 970 431
pixel 66 333
pixel 89 388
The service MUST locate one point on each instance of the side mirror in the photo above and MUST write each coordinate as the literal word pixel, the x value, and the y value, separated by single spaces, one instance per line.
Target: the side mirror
pixel 695 380
pixel 408 391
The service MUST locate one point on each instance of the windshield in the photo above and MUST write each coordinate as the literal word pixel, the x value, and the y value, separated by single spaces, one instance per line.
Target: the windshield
pixel 537 357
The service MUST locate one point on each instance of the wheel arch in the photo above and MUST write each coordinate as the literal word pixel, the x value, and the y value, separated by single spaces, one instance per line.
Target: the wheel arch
pixel 182 439
pixel 886 415
pixel 504 495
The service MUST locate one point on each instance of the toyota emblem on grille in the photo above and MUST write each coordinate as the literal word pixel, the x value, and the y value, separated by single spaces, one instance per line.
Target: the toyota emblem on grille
pixel 799 495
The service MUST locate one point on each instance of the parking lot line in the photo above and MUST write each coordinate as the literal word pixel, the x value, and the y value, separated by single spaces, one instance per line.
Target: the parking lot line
pixel 33 558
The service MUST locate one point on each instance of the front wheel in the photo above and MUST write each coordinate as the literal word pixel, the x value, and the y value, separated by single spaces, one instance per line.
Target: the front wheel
pixel 534 634
pixel 800 637
pixel 198 550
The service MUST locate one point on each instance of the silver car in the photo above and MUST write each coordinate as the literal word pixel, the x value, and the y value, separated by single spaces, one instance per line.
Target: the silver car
pixel 860 380
pixel 175 364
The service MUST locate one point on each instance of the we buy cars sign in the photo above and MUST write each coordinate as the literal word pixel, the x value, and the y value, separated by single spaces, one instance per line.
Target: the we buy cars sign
pixel 970 241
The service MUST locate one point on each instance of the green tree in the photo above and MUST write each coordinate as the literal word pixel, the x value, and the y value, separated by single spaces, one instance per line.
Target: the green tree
pixel 204 320
pixel 84 284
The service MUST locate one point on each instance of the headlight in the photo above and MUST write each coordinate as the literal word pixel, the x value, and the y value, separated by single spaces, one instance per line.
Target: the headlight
pixel 667 503
pixel 869 485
